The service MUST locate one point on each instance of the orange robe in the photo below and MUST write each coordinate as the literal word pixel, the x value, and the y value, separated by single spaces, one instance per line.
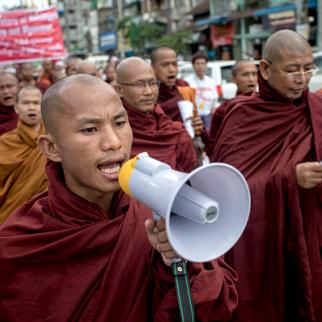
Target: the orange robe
pixel 22 168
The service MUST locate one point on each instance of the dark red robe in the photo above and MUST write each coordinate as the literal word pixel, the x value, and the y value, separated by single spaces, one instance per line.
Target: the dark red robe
pixel 163 139
pixel 169 97
pixel 62 258
pixel 278 258
pixel 8 119
pixel 209 138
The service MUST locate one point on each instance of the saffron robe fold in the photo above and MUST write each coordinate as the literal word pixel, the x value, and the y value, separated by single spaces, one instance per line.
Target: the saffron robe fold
pixel 62 258
pixel 163 139
pixel 8 119
pixel 169 97
pixel 278 258
pixel 22 168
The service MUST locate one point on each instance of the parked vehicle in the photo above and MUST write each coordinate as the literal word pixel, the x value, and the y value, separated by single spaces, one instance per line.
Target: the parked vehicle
pixel 316 80
pixel 219 70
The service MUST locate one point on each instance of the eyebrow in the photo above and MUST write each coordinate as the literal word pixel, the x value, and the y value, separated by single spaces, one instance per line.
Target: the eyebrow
pixel 97 120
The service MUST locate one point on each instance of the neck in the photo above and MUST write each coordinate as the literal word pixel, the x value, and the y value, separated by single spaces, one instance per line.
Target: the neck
pixel 201 77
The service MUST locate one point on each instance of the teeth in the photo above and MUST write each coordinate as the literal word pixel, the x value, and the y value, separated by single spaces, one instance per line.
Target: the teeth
pixel 113 170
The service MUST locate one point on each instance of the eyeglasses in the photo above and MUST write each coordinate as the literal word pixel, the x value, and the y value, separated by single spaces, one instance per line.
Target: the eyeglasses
pixel 306 73
pixel 142 84
pixel 297 75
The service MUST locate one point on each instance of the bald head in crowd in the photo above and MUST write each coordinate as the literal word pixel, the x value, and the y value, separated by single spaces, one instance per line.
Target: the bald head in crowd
pixel 287 64
pixel 284 42
pixel 244 75
pixel 87 67
pixel 137 83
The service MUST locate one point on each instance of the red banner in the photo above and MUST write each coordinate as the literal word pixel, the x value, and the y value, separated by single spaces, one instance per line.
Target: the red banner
pixel 222 35
pixel 30 35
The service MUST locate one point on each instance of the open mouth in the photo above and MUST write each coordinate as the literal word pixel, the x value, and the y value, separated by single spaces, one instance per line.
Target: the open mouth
pixel 171 78
pixel 7 98
pixel 110 170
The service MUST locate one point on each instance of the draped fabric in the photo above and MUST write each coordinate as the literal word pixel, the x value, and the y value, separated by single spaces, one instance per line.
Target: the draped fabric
pixel 170 96
pixel 8 119
pixel 22 168
pixel 217 119
pixel 278 258
pixel 63 258
pixel 163 139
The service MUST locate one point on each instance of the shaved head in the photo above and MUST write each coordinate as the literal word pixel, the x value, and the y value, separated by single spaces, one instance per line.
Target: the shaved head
pixel 284 40
pixel 156 53
pixel 54 103
pixel 87 67
pixel 129 65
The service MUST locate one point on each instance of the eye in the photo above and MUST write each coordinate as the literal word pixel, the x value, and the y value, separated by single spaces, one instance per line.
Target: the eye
pixel 120 123
pixel 89 130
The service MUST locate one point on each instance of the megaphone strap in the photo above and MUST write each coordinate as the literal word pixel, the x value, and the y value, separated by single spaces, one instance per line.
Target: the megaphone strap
pixel 180 272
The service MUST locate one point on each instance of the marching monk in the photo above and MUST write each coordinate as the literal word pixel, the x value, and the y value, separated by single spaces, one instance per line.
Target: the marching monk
pixel 173 90
pixel 8 92
pixel 84 251
pixel 153 131
pixel 275 138
pixel 22 165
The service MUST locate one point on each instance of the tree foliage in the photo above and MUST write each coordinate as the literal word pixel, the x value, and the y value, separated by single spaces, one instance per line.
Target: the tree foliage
pixel 176 40
pixel 140 34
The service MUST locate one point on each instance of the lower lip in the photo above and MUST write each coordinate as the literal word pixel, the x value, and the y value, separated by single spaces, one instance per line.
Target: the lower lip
pixel 110 176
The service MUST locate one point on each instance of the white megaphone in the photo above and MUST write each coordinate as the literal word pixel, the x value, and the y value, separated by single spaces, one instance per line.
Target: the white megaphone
pixel 205 211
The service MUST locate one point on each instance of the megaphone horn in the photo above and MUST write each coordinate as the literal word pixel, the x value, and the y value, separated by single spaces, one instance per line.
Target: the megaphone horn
pixel 205 211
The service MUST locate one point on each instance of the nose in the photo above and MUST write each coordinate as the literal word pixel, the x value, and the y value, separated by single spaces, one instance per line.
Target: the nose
pixel 110 139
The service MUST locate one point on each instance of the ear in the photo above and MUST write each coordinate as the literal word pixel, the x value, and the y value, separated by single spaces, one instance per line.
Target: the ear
pixel 264 68
pixel 119 90
pixel 49 148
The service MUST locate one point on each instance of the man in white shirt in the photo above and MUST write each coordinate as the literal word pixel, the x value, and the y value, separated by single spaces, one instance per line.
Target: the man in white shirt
pixel 206 88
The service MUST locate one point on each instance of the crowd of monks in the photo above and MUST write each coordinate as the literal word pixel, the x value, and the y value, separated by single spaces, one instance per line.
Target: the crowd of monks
pixel 73 247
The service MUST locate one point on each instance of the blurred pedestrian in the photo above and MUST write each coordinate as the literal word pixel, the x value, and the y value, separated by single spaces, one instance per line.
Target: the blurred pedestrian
pixel 244 74
pixel 206 97
pixel 22 165
pixel 72 64
pixel 87 67
pixel 173 90
pixel 8 92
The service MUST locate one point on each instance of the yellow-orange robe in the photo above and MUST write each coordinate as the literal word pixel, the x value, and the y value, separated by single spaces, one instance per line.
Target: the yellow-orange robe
pixel 22 168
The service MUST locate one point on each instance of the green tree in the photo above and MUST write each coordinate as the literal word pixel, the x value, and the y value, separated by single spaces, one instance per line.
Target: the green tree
pixel 176 40
pixel 140 34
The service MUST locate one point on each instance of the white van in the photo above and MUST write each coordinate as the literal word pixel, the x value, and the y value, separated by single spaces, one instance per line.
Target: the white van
pixel 316 80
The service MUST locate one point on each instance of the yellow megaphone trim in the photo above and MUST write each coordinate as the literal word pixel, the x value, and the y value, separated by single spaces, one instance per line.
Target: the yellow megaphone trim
pixel 125 175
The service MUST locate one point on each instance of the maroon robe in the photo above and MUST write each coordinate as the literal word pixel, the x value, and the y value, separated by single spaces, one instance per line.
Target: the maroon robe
pixel 210 138
pixel 278 258
pixel 163 139
pixel 8 119
pixel 169 97
pixel 62 258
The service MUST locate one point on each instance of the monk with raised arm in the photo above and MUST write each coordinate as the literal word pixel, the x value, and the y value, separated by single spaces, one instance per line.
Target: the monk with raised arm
pixel 275 139
pixel 84 251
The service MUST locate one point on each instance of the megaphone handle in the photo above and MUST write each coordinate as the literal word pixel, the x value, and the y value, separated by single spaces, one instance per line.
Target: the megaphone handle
pixel 181 277
pixel 180 272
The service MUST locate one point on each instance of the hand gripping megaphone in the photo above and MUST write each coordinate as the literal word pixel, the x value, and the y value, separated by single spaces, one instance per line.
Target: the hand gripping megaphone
pixel 205 211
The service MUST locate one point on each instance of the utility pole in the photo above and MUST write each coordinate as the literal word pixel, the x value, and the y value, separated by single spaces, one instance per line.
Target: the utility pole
pixel 120 32
pixel 319 35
